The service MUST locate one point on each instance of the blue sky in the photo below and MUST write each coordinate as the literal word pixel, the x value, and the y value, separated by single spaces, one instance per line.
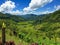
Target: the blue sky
pixel 19 7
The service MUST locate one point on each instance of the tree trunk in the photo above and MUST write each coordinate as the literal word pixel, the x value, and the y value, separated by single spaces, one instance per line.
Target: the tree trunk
pixel 55 39
pixel 3 34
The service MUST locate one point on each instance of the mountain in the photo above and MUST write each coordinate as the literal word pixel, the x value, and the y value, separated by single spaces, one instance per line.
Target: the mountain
pixel 22 28
pixel 11 17
pixel 52 17
pixel 29 16
pixel 55 16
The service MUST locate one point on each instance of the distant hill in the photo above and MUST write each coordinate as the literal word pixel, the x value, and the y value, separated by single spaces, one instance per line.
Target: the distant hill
pixel 21 28
pixel 52 17
pixel 11 17
pixel 29 16
pixel 55 16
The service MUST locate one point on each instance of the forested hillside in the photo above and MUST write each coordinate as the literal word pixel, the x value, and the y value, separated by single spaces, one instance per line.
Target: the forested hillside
pixel 38 29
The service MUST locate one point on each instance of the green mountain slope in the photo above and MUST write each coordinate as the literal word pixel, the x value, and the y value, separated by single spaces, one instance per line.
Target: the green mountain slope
pixel 11 17
pixel 53 17
pixel 36 29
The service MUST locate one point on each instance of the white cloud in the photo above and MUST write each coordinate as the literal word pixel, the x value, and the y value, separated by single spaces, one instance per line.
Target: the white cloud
pixel 46 12
pixel 43 12
pixel 57 7
pixel 7 6
pixel 35 4
pixel 17 12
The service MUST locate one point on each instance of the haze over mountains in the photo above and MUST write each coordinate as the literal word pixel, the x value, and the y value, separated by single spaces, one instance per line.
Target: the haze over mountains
pixel 52 16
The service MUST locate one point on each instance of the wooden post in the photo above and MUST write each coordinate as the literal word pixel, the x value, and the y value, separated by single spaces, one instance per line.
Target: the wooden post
pixel 3 34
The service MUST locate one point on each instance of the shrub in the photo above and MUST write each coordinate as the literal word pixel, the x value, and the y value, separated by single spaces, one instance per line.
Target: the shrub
pixel 11 43
pixel 7 43
pixel 34 43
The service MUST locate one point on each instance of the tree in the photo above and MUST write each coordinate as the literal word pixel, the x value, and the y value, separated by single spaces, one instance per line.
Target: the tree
pixel 3 33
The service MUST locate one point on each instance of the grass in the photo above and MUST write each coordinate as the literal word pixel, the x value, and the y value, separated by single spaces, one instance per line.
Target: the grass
pixel 33 33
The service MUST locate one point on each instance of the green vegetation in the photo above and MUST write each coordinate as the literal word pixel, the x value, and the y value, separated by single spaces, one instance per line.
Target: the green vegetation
pixel 42 29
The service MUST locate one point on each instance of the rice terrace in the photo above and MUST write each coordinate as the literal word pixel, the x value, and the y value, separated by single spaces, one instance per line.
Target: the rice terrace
pixel 29 22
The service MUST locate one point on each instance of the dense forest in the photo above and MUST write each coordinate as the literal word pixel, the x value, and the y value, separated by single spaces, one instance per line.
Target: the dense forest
pixel 30 28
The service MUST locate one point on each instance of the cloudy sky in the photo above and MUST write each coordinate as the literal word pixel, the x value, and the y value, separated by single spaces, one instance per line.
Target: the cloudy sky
pixel 21 7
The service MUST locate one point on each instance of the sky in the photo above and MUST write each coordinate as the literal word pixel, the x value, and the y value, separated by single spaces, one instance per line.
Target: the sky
pixel 22 7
